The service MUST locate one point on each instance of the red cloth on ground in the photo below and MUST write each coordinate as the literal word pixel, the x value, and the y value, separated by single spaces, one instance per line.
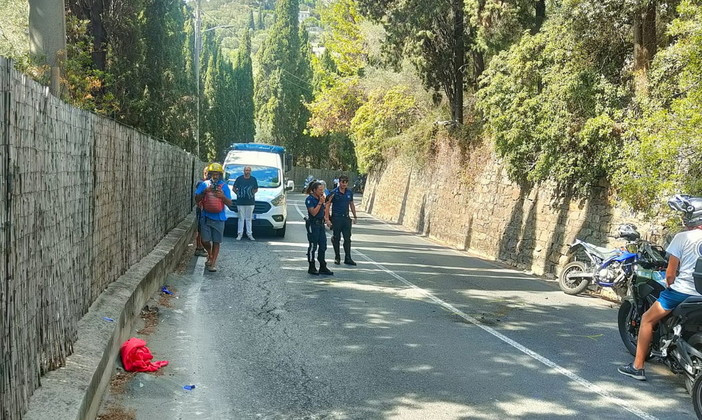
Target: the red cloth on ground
pixel 136 357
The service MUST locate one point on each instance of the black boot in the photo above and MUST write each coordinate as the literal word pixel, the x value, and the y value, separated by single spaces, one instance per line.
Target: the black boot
pixel 324 270
pixel 313 269
pixel 337 253
pixel 347 253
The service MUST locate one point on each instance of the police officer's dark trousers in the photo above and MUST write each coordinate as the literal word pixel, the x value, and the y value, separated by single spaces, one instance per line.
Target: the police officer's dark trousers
pixel 317 244
pixel 342 227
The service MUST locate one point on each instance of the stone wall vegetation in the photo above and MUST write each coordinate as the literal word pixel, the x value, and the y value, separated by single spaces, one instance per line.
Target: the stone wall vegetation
pixel 463 197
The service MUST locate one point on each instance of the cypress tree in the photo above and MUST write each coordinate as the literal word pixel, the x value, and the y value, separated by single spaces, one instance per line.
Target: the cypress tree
pixel 244 107
pixel 251 25
pixel 260 25
pixel 278 88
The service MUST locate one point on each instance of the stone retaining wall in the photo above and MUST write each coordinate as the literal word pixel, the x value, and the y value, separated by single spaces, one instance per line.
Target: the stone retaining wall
pixel 464 199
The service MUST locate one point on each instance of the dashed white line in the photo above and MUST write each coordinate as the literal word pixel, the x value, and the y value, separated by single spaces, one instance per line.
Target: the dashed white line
pixel 536 356
pixel 563 371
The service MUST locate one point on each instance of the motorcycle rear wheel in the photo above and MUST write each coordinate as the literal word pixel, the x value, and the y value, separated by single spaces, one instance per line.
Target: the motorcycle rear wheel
pixel 627 332
pixel 573 287
pixel 697 396
pixel 696 342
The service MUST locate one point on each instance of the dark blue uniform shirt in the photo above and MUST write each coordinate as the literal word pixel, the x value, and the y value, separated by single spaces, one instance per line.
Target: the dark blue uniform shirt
pixel 340 205
pixel 311 202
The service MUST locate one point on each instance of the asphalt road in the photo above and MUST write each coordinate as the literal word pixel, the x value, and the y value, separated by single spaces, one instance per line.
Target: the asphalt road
pixel 415 331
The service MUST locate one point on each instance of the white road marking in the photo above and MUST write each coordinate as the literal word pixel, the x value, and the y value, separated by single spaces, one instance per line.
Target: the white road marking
pixel 536 356
pixel 299 211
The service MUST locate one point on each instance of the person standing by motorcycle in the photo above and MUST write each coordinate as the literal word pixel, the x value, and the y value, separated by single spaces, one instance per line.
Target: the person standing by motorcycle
pixel 314 223
pixel 684 250
pixel 341 201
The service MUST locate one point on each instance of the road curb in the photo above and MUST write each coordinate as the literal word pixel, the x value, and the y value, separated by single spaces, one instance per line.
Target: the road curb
pixel 74 391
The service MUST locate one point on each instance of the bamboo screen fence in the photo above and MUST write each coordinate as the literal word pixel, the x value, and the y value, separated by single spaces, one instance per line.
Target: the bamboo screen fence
pixel 82 198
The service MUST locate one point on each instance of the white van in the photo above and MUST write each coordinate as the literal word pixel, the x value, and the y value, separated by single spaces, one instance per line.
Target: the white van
pixel 268 165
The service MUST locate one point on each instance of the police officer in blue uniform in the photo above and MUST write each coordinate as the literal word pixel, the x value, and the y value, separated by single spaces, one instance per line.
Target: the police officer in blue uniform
pixel 314 223
pixel 341 199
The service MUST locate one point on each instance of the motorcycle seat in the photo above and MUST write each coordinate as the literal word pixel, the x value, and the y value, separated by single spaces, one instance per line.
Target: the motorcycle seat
pixel 691 304
pixel 602 252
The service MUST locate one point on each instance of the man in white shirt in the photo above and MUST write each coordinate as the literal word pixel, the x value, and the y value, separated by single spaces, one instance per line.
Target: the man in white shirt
pixel 684 250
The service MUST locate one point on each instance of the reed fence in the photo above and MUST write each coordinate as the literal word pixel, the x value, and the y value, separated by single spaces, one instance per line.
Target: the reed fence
pixel 82 198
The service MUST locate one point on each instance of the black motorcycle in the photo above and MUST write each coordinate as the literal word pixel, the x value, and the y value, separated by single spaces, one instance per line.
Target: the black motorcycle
pixel 677 341
pixel 359 184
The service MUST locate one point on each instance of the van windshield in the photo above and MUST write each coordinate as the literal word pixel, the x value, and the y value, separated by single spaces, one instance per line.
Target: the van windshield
pixel 266 176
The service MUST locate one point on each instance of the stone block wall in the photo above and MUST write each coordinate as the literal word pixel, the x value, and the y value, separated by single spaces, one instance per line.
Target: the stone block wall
pixel 464 198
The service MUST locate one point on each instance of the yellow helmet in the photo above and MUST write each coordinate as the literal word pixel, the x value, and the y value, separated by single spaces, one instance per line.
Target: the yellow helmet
pixel 215 167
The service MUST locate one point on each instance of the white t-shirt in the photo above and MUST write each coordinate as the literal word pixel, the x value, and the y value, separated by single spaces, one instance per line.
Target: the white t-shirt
pixel 687 247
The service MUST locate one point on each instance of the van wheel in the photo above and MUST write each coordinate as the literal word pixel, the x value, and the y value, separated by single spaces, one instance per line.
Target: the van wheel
pixel 281 232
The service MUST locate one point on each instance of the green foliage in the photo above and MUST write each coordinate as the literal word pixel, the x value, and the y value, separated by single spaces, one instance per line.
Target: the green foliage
pixel 14 30
pixel 335 106
pixel 283 82
pixel 426 34
pixel 552 112
pixel 148 81
pixel 664 154
pixel 82 85
pixel 243 105
pixel 343 36
pixel 498 24
pixel 384 115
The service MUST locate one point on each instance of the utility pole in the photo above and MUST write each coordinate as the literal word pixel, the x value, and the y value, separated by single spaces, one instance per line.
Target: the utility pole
pixel 196 62
pixel 47 36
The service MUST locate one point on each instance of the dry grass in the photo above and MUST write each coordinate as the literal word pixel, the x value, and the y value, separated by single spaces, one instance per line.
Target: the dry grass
pixel 187 256
pixel 119 382
pixel 150 316
pixel 114 412
pixel 165 299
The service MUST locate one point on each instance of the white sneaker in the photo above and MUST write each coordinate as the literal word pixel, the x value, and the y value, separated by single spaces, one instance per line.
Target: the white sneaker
pixel 238 238
pixel 251 238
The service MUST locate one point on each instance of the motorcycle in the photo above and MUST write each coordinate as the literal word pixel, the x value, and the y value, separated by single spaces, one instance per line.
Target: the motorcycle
pixel 677 341
pixel 606 268
pixel 307 182
pixel 359 184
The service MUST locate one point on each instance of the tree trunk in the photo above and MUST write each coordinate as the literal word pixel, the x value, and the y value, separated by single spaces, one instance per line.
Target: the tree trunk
pixel 539 15
pixel 478 65
pixel 93 10
pixel 458 61
pixel 645 36
pixel 97 30
pixel 644 45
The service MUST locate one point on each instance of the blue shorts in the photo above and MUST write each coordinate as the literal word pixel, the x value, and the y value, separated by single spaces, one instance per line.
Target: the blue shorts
pixel 670 299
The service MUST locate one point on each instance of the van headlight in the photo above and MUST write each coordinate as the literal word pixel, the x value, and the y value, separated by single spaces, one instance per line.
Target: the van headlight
pixel 279 200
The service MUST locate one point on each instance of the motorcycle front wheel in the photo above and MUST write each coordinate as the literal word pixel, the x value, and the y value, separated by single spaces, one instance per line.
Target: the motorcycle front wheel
pixel 573 286
pixel 628 322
